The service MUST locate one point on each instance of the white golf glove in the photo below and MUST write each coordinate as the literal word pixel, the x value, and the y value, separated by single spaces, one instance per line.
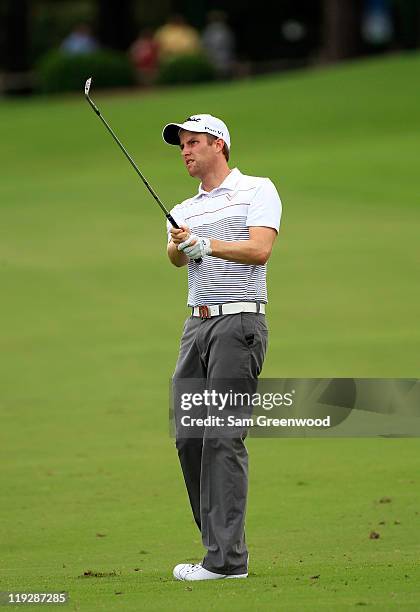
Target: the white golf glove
pixel 201 248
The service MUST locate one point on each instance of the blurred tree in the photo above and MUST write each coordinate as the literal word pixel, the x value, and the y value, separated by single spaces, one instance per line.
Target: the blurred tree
pixel 52 21
pixel 116 25
pixel 16 36
pixel 341 29
pixel 408 23
pixel 286 30
pixel 194 11
pixel 152 14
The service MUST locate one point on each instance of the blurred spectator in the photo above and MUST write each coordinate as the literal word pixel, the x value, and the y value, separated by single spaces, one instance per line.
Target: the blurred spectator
pixel 377 26
pixel 219 43
pixel 80 40
pixel 144 53
pixel 176 37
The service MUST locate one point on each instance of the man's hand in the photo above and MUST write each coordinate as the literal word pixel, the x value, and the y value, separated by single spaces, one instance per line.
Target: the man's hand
pixel 177 236
pixel 195 247
pixel 180 235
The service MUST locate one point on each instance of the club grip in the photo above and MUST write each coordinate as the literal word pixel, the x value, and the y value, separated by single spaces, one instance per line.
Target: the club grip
pixel 172 221
pixel 176 226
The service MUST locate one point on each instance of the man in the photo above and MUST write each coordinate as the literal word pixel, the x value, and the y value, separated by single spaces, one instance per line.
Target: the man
pixel 231 225
pixel 177 37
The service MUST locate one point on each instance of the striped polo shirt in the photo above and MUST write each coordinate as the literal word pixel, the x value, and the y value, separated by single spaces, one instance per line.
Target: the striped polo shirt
pixel 226 213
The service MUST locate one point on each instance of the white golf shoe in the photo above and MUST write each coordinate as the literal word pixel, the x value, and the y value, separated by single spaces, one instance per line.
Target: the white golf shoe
pixel 190 571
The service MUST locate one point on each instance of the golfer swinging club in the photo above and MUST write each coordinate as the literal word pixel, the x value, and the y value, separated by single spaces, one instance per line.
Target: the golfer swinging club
pixel 231 223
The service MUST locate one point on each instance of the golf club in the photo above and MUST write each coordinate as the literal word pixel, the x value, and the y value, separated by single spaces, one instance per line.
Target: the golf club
pixel 130 159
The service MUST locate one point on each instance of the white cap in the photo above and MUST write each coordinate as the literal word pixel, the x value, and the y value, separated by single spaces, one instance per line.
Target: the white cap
pixel 197 123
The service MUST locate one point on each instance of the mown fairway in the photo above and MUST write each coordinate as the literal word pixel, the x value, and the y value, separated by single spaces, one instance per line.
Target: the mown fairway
pixel 91 315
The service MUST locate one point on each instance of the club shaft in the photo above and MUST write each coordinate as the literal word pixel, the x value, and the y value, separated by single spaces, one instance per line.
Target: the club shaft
pixel 132 162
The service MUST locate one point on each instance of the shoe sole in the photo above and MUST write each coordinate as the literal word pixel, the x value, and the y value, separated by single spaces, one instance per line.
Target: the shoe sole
pixel 231 576
pixel 237 576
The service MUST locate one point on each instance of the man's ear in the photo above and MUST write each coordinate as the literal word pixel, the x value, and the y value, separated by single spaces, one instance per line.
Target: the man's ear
pixel 220 144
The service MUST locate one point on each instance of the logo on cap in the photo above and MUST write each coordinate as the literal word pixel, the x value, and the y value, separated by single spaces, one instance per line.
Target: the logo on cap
pixel 193 119
pixel 210 129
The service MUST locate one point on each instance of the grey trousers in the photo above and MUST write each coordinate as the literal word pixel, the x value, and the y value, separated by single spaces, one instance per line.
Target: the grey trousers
pixel 215 468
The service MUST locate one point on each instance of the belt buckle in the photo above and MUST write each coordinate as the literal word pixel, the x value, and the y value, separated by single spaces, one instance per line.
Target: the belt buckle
pixel 204 312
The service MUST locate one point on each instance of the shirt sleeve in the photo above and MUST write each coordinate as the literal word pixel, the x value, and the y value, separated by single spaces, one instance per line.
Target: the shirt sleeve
pixel 265 208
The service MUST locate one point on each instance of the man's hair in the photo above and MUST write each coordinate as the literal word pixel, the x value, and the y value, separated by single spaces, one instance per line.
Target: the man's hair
pixel 225 151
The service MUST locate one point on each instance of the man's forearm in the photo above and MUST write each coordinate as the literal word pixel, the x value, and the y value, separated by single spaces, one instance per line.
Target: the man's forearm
pixel 177 258
pixel 242 251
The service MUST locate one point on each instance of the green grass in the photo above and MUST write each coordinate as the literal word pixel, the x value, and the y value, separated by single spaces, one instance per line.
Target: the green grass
pixel 91 318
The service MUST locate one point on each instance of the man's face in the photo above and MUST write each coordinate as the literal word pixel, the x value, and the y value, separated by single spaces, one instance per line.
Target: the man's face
pixel 198 155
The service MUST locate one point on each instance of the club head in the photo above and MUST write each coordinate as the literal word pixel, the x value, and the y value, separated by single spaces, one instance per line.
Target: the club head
pixel 87 86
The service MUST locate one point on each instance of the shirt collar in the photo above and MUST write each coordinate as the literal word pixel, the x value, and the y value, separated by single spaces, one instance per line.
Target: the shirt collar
pixel 228 184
